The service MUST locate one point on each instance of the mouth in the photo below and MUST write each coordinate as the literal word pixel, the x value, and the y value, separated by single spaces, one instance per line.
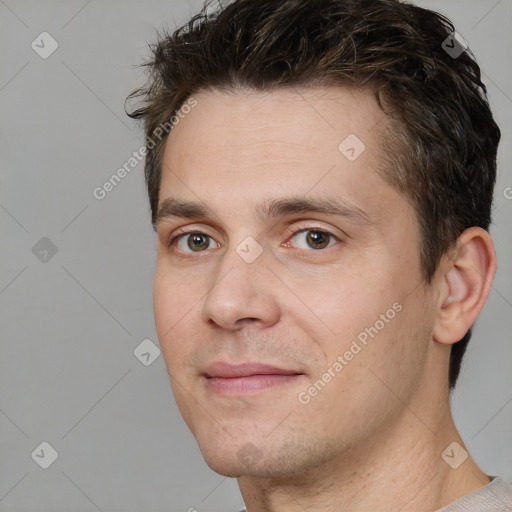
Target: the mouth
pixel 249 378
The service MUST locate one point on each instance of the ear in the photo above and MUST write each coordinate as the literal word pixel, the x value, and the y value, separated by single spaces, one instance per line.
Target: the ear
pixel 465 279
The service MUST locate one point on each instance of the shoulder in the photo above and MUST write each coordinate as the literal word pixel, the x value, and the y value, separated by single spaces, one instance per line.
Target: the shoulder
pixel 496 496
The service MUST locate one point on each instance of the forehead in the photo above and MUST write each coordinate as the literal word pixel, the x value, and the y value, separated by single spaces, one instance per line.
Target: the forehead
pixel 290 119
pixel 234 147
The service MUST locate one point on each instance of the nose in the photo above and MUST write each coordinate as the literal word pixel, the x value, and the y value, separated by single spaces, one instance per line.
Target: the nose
pixel 241 293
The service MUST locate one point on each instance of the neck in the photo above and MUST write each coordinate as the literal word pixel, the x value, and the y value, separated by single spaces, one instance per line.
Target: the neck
pixel 399 468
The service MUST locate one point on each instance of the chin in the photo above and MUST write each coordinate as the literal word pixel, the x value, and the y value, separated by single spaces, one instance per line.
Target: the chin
pixel 232 467
pixel 244 459
pixel 233 458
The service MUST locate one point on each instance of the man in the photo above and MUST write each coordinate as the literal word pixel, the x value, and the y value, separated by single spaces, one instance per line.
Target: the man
pixel 322 204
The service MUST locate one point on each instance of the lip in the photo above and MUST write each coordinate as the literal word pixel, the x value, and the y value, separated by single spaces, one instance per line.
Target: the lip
pixel 247 378
pixel 227 371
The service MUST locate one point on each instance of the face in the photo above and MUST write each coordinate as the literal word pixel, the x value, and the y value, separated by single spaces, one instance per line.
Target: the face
pixel 288 294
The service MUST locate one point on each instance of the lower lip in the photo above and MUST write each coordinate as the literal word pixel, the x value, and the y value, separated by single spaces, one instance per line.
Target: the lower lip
pixel 247 385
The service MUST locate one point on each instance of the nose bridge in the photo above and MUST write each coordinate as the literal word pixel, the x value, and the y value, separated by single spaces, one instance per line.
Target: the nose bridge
pixel 238 290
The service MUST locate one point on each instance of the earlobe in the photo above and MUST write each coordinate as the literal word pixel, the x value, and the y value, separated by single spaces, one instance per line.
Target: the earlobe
pixel 465 280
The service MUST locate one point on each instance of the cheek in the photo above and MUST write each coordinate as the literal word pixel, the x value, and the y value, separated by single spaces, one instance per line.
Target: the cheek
pixel 342 304
pixel 368 319
pixel 174 295
pixel 174 302
pixel 164 304
pixel 173 305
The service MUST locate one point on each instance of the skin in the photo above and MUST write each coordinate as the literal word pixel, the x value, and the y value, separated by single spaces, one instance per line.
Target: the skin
pixel 372 437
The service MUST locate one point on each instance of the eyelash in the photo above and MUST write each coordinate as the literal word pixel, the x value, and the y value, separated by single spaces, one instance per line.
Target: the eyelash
pixel 172 240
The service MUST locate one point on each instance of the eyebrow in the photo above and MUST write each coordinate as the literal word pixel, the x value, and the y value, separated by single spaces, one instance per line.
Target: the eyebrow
pixel 271 208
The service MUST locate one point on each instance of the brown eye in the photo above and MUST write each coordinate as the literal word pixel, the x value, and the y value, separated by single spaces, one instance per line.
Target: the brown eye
pixel 315 238
pixel 192 242
pixel 198 241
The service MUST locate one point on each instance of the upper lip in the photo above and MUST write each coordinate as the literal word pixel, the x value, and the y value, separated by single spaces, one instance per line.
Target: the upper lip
pixel 226 370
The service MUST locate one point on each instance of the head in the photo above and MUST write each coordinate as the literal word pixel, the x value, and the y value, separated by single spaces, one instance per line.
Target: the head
pixel 347 120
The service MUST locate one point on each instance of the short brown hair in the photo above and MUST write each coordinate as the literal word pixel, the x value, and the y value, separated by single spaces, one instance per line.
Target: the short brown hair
pixel 441 153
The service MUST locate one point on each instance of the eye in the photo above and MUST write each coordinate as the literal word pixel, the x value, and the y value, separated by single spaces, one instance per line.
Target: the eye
pixel 315 238
pixel 311 238
pixel 195 241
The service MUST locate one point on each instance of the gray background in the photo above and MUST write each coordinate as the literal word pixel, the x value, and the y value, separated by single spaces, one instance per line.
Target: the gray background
pixel 70 323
